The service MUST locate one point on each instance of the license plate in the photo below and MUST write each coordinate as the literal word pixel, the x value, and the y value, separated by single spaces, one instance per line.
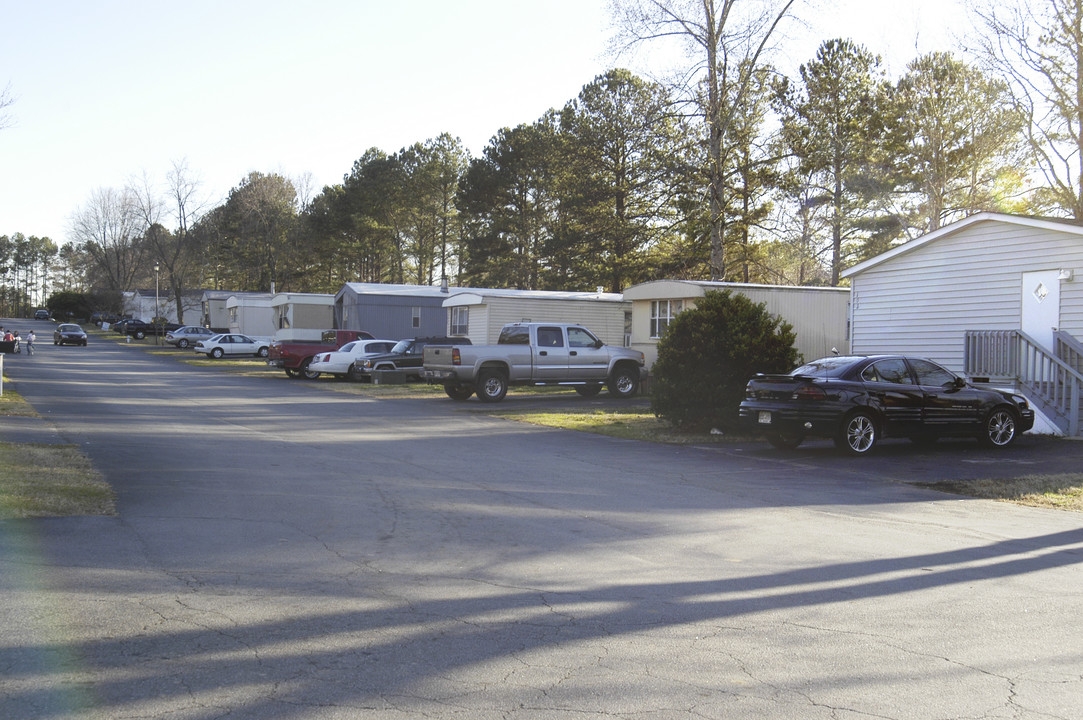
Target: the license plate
pixel 765 418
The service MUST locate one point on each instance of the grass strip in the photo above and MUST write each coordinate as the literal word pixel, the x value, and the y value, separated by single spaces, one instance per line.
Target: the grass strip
pixel 1061 492
pixel 50 481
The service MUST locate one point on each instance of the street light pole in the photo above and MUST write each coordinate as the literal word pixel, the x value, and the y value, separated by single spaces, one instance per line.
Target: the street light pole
pixel 157 306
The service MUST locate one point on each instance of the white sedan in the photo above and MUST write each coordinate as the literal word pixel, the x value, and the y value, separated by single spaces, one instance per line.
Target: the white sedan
pixel 232 344
pixel 340 362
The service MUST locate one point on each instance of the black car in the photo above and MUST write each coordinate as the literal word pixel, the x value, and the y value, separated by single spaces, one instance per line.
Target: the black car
pixel 405 356
pixel 69 334
pixel 139 329
pixel 857 400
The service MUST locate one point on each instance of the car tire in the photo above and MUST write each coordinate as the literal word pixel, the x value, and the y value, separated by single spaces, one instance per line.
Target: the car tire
pixel 139 334
pixel 459 392
pixel 182 343
pixel 84 343
pixel 783 440
pixel 292 374
pixel 217 353
pixel 858 433
pixel 306 373
pixel 588 390
pixel 352 375
pixel 624 382
pixel 262 352
pixel 492 386
pixel 999 428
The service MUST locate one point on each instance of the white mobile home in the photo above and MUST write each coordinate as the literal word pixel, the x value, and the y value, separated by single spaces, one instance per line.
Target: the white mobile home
pixel 480 314
pixel 818 314
pixel 302 316
pixel 993 295
pixel 251 314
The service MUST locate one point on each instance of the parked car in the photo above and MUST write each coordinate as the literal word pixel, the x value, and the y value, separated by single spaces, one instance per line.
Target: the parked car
pixel 188 335
pixel 857 400
pixel 341 361
pixel 139 329
pixel 406 356
pixel 223 344
pixel 41 314
pixel 69 334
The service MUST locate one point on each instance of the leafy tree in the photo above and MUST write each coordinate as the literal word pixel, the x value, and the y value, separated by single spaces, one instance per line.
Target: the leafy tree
pixel 960 139
pixel 708 354
pixel 620 138
pixel 67 304
pixel 256 225
pixel 509 206
pixel 832 123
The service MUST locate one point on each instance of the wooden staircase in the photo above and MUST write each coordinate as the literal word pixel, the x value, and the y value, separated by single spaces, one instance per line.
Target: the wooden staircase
pixel 1053 382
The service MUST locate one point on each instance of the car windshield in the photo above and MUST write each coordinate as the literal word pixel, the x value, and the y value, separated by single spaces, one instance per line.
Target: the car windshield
pixel 825 367
pixel 69 328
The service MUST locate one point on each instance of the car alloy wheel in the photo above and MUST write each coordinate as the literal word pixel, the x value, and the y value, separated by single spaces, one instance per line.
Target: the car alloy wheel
pixel 999 428
pixel 858 434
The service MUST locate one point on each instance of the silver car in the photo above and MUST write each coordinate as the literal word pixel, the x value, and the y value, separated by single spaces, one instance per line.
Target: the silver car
pixel 188 335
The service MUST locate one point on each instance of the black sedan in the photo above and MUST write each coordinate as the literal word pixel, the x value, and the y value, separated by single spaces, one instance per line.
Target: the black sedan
pixel 857 400
pixel 69 334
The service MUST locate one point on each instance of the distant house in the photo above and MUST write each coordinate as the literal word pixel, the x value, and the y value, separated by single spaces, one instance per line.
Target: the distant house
pixel 995 296
pixel 302 316
pixel 480 313
pixel 817 314
pixel 251 314
pixel 215 314
pixel 146 305
pixel 392 311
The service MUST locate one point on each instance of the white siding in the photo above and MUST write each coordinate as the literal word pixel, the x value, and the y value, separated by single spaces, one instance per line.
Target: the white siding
pixel 923 302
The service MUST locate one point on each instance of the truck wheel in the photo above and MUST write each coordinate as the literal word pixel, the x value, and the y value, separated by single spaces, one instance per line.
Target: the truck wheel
pixel 293 374
pixel 624 382
pixel 492 386
pixel 308 374
pixel 588 390
pixel 458 391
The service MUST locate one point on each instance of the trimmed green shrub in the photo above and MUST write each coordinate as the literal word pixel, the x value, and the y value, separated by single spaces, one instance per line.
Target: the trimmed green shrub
pixel 707 355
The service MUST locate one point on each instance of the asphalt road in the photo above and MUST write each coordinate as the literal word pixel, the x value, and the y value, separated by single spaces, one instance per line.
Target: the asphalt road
pixel 285 551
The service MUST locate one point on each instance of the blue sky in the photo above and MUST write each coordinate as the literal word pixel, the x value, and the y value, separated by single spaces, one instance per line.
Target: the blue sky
pixel 108 90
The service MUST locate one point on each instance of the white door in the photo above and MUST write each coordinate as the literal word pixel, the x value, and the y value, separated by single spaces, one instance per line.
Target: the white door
pixel 1041 305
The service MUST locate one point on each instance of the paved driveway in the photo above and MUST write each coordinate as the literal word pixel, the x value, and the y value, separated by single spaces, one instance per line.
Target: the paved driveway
pixel 283 551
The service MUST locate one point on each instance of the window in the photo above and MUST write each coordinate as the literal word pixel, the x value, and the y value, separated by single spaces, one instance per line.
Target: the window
pixel 578 337
pixel 514 335
pixel 460 321
pixel 662 312
pixel 415 317
pixel 888 371
pixel 932 374
pixel 550 337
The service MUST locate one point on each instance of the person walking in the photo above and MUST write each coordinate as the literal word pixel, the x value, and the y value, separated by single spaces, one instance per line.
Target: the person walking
pixel 30 342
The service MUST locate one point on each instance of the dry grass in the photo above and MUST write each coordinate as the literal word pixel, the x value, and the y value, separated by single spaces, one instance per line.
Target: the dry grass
pixel 50 481
pixel 1061 492
pixel 630 424
pixel 13 404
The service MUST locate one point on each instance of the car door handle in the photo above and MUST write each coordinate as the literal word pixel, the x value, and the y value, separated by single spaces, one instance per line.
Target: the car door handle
pixel 543 352
pixel 573 352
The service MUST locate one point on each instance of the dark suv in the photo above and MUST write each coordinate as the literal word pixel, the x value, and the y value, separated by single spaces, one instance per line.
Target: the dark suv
pixel 405 356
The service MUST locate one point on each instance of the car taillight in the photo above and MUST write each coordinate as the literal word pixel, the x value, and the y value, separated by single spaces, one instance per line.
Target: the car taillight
pixel 809 392
pixel 456 357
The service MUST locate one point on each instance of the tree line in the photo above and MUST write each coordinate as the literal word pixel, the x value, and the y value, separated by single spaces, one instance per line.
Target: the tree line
pixel 739 173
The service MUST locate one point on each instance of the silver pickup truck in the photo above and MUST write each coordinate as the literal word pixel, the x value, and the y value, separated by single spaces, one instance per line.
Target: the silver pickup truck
pixel 534 354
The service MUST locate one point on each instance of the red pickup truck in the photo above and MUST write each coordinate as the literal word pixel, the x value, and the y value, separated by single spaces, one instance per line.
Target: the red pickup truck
pixel 294 357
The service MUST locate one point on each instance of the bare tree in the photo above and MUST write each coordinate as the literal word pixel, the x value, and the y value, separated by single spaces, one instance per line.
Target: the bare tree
pixel 1037 46
pixel 726 39
pixel 108 227
pixel 6 101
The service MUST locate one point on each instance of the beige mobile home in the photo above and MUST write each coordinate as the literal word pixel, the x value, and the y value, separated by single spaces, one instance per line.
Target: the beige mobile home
pixel 479 314
pixel 302 316
pixel 817 314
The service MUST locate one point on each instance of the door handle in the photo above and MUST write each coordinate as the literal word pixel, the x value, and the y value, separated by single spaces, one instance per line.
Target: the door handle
pixel 573 352
pixel 543 352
